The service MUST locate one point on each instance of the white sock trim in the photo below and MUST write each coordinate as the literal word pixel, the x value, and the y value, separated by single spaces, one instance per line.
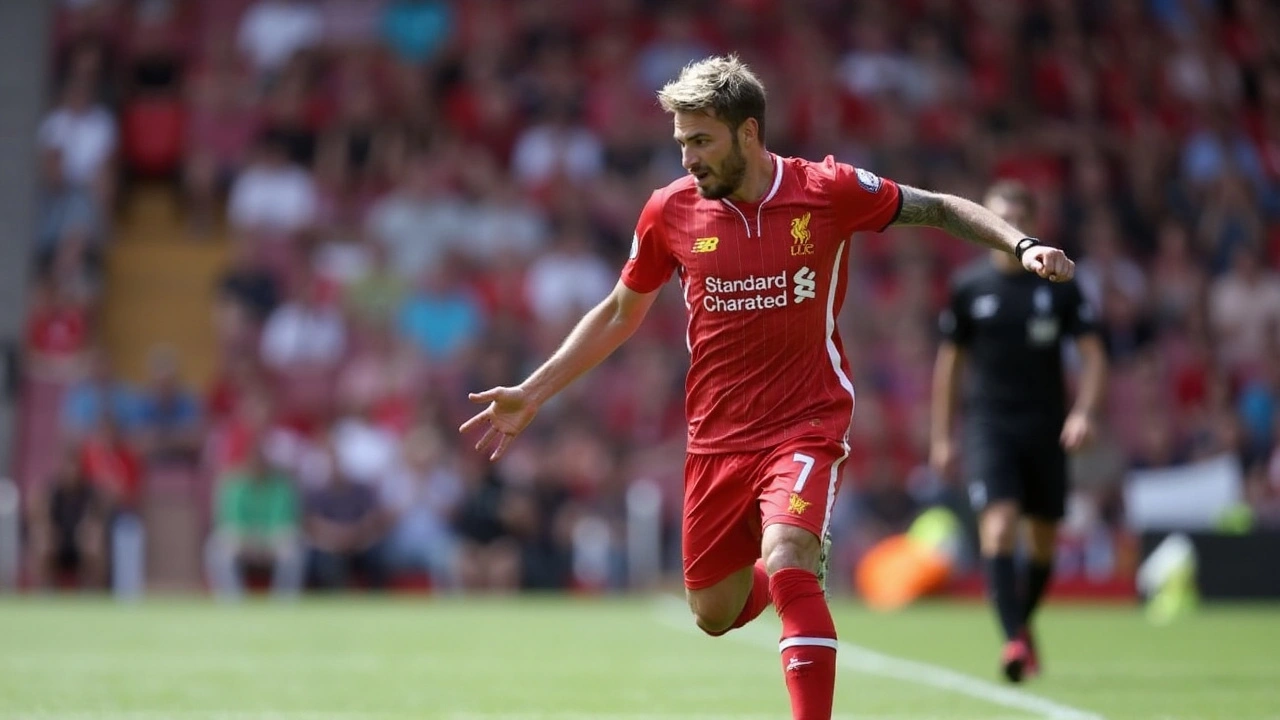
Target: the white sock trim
pixel 813 641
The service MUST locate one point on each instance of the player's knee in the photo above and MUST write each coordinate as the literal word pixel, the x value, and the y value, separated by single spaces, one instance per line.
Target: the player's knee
pixel 999 528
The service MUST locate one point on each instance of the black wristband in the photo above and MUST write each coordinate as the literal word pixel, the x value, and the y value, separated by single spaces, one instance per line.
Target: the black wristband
pixel 1023 245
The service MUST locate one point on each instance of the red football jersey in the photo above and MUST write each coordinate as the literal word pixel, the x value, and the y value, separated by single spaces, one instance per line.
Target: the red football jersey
pixel 763 284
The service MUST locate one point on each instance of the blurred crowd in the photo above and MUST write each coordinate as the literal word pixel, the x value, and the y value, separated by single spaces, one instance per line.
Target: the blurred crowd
pixel 423 196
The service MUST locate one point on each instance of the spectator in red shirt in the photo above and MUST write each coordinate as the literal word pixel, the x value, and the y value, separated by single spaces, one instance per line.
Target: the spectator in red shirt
pixel 112 465
pixel 57 334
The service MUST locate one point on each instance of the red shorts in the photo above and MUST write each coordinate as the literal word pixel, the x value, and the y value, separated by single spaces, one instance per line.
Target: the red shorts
pixel 729 498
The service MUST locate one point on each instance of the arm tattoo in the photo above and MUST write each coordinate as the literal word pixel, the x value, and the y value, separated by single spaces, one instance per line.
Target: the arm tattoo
pixel 961 218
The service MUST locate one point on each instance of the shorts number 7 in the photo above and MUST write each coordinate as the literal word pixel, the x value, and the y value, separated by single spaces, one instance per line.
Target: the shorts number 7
pixel 807 462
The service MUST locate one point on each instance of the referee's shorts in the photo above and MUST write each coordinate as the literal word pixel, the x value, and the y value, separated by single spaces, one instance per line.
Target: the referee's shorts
pixel 1022 462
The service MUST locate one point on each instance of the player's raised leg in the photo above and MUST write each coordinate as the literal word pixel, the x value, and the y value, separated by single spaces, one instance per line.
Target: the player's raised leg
pixel 795 507
pixel 724 582
pixel 997 530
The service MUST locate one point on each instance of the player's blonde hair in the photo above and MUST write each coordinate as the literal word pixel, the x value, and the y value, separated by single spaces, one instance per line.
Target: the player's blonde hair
pixel 720 85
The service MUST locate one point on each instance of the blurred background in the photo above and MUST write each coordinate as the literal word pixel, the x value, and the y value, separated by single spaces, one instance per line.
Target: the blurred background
pixel 258 252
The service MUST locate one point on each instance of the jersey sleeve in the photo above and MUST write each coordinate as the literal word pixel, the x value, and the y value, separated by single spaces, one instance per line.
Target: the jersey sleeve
pixel 954 322
pixel 1081 317
pixel 863 200
pixel 650 263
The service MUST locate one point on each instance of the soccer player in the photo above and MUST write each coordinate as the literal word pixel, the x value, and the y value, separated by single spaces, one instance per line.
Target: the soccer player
pixel 758 242
pixel 1009 327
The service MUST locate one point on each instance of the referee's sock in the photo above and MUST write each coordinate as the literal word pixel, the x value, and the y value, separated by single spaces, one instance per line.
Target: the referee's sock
pixel 1038 575
pixel 1002 582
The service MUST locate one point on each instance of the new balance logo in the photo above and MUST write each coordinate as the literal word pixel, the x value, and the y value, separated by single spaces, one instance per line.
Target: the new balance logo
pixel 796 663
pixel 706 244
pixel 806 283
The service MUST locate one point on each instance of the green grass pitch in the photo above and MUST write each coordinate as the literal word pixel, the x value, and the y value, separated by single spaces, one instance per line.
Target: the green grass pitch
pixel 634 659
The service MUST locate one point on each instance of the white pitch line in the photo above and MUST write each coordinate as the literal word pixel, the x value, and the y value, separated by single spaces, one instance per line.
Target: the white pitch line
pixel 861 659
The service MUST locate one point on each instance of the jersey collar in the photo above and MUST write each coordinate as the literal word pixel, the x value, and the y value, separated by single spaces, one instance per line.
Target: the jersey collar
pixel 777 183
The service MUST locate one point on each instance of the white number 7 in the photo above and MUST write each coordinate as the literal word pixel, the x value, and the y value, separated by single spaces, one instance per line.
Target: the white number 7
pixel 807 462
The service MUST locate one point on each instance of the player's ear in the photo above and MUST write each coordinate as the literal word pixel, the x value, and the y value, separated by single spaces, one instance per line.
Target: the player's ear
pixel 749 131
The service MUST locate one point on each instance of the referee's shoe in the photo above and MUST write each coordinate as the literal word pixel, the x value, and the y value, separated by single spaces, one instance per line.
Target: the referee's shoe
pixel 1019 660
pixel 1015 658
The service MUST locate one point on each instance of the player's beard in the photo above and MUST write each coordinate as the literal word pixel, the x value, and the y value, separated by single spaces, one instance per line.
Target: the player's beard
pixel 730 174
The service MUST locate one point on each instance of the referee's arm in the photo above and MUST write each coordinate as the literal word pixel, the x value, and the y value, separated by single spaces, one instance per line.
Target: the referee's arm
pixel 946 374
pixel 956 330
pixel 1081 422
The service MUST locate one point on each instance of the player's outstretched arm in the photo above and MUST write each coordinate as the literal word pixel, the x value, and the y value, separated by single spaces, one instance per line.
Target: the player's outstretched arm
pixel 510 409
pixel 970 221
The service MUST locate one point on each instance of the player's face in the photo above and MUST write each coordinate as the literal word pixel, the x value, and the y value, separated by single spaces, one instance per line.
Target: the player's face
pixel 711 153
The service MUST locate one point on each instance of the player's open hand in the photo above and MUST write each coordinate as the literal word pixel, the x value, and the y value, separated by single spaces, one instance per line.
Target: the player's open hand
pixel 510 411
pixel 1077 431
pixel 1048 262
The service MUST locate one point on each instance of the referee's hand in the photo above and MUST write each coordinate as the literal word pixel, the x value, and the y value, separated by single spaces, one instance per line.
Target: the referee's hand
pixel 1077 431
pixel 1049 263
pixel 942 457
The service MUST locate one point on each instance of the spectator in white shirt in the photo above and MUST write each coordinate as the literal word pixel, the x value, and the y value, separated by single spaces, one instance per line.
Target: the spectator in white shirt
pixel 1244 309
pixel 78 139
pixel 272 196
pixel 503 224
pixel 308 331
pixel 273 30
pixel 365 451
pixel 560 148
pixel 567 281
pixel 420 221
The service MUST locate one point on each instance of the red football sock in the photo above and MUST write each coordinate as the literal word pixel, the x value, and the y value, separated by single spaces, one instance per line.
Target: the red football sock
pixel 808 643
pixel 757 601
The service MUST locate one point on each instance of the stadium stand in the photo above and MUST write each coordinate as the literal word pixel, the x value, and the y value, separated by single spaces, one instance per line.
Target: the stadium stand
pixel 307 228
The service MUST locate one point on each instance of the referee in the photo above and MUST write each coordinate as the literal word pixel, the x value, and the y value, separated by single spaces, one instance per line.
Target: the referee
pixel 1007 327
